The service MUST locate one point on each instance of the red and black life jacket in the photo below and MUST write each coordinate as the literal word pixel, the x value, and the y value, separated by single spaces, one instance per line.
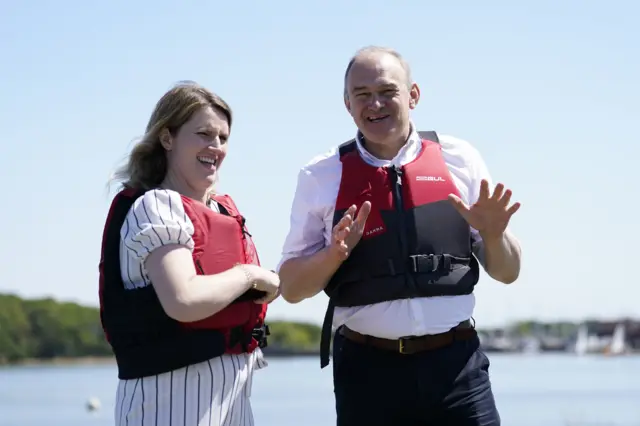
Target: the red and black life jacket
pixel 144 339
pixel 415 244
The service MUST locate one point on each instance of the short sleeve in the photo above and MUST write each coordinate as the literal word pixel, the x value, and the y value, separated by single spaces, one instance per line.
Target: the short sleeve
pixel 156 219
pixel 306 222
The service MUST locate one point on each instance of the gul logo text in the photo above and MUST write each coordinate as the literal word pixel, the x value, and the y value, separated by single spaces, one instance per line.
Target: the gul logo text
pixel 430 178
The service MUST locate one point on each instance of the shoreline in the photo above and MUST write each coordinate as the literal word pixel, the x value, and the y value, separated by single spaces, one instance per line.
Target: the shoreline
pixel 109 359
pixel 277 354
pixel 82 360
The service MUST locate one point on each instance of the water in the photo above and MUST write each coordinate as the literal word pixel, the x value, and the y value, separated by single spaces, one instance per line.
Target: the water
pixel 531 390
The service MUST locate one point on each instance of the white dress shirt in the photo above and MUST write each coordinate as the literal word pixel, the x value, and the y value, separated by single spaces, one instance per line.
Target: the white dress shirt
pixel 311 224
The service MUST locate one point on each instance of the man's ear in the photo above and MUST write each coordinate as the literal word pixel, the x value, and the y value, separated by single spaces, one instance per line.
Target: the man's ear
pixel 414 95
pixel 347 103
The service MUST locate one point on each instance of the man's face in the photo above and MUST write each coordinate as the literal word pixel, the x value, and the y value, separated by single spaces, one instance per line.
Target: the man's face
pixel 380 98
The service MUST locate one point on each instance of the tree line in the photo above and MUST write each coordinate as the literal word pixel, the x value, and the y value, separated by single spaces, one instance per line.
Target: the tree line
pixel 43 329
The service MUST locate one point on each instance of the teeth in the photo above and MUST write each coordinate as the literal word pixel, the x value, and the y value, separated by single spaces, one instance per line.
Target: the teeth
pixel 208 160
pixel 377 118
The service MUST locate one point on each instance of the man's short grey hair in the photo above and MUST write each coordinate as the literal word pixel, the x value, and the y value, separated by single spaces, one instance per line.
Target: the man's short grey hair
pixel 377 49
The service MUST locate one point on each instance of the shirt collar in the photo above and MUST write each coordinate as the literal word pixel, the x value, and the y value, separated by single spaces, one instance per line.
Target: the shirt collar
pixel 407 153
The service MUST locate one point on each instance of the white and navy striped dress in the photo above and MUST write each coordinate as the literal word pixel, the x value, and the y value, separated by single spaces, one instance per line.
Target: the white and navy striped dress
pixel 211 393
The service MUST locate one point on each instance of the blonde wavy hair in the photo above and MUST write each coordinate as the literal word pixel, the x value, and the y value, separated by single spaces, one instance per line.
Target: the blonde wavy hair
pixel 146 166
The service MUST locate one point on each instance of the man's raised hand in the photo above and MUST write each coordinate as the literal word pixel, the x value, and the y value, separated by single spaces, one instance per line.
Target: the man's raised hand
pixel 347 233
pixel 490 215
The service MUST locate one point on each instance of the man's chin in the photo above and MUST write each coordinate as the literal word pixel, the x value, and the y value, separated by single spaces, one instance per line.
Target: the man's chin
pixel 379 134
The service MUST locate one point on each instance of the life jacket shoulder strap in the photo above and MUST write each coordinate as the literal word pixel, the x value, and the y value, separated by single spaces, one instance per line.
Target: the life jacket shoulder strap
pixel 347 147
pixel 429 135
pixel 118 210
pixel 227 202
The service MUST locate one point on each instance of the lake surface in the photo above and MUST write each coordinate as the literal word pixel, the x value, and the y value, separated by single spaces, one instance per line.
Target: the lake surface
pixel 531 390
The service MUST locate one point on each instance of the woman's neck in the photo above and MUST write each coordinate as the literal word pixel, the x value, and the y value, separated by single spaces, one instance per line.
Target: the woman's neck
pixel 175 184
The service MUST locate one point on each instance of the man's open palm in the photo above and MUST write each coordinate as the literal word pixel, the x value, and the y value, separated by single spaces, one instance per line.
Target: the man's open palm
pixel 490 215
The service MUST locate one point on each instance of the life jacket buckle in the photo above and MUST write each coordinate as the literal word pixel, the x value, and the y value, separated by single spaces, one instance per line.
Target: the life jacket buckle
pixel 260 335
pixel 425 263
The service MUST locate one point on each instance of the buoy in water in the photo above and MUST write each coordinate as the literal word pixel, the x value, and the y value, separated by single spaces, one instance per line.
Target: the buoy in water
pixel 93 404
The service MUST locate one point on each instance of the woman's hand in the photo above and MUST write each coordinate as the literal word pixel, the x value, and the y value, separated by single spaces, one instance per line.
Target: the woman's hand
pixel 262 279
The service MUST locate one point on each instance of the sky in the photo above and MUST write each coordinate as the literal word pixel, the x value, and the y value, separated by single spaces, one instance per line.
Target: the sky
pixel 548 93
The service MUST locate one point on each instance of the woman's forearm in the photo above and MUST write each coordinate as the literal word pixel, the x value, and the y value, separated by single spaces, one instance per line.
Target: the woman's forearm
pixel 186 296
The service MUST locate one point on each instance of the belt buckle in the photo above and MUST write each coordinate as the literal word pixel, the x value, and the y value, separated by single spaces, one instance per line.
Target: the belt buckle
pixel 401 345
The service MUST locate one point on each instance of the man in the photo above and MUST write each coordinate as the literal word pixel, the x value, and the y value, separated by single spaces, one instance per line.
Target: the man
pixel 391 226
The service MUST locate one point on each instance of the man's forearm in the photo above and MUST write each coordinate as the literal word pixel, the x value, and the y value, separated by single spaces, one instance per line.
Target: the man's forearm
pixel 306 276
pixel 502 257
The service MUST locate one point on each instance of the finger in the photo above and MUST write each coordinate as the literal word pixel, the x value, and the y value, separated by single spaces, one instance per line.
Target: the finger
pixel 345 222
pixel 504 201
pixel 268 298
pixel 514 208
pixel 484 190
pixel 497 192
pixel 339 242
pixel 363 214
pixel 340 250
pixel 264 300
pixel 274 296
pixel 343 251
pixel 261 300
pixel 349 214
pixel 458 204
pixel 351 211
pixel 342 234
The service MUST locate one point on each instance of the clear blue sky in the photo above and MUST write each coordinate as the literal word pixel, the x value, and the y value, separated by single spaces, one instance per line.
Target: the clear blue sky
pixel 547 92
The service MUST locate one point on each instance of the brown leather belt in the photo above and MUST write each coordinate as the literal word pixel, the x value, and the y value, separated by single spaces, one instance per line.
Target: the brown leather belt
pixel 414 344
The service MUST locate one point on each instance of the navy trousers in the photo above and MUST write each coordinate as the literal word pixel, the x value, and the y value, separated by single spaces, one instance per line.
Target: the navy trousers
pixel 449 386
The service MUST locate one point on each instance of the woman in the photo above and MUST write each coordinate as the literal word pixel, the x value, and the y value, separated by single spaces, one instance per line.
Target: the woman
pixel 182 295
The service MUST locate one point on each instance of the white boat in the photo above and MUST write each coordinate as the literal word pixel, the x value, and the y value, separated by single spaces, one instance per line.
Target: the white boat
pixel 618 345
pixel 582 340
